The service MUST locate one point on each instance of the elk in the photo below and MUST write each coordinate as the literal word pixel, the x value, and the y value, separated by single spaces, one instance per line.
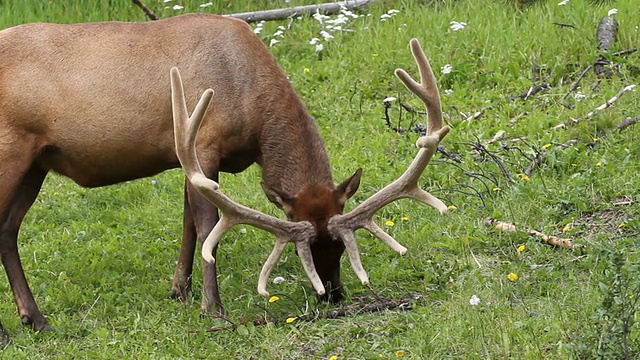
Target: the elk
pixel 92 102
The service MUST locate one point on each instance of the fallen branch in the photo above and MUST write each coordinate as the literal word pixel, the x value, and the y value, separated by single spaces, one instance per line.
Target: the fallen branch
pixel 280 14
pixel 626 123
pixel 607 104
pixel 551 240
pixel 364 306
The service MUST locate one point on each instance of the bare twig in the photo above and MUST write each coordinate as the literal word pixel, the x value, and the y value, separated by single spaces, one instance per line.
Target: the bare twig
pixel 625 52
pixel 575 85
pixel 564 25
pixel 146 10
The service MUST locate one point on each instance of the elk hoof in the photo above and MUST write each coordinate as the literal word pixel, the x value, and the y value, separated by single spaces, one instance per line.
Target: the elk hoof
pixel 38 324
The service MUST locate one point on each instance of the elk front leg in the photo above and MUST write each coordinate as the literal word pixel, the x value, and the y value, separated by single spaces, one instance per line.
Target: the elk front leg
pixel 184 269
pixel 19 199
pixel 205 216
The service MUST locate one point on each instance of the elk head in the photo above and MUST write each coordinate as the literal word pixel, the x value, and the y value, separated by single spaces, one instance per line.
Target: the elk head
pixel 316 224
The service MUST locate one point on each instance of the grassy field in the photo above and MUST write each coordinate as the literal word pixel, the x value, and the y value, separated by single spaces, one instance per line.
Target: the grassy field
pixel 100 261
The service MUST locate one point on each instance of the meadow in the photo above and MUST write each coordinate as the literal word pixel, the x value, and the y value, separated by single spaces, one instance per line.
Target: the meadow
pixel 100 261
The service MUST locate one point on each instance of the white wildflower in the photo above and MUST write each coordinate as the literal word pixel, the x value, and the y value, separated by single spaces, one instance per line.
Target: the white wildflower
pixel 612 12
pixel 384 17
pixel 448 91
pixel 278 33
pixel 166 1
pixel 326 35
pixel 178 7
pixel 458 25
pixel 319 47
pixel 389 99
pixel 273 42
pixel 579 96
pixel 563 2
pixel 279 280
pixel 314 41
pixel 393 11
pixel 206 5
pixel 475 300
pixel 447 69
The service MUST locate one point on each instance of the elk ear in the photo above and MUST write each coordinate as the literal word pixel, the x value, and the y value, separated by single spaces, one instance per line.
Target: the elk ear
pixel 348 187
pixel 277 197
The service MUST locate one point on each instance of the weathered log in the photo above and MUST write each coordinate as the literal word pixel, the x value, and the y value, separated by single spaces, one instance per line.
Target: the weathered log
pixel 279 14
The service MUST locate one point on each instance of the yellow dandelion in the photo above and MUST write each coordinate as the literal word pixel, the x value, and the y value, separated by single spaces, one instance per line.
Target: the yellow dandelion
pixel 273 299
pixel 622 225
pixel 546 146
pixel 521 248
pixel 306 69
pixel 328 127
pixel 452 207
pixel 506 262
pixel 598 163
pixel 596 139
pixel 374 54
pixel 290 320
pixel 471 328
pixel 400 353
pixel 566 228
pixel 512 276
pixel 404 218
pixel 389 223
pixel 496 189
pixel 333 357
pixel 523 177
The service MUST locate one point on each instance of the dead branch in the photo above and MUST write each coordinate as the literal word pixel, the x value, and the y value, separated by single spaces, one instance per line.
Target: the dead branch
pixel 534 89
pixel 625 52
pixel 280 14
pixel 364 306
pixel 626 123
pixel 575 85
pixel 551 240
pixel 607 104
pixel 146 10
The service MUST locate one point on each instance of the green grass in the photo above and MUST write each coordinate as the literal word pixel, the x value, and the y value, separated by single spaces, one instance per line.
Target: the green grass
pixel 100 261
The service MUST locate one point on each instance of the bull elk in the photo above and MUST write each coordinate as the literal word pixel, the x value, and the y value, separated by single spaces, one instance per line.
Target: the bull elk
pixel 92 102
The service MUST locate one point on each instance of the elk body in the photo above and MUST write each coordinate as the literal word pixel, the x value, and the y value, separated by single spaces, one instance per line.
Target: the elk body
pixel 93 102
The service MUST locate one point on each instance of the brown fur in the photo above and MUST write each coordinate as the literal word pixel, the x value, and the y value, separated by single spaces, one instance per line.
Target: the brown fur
pixel 92 102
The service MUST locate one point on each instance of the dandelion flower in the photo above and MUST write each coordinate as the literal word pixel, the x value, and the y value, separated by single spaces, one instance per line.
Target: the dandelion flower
pixel 566 228
pixel 306 70
pixel 521 248
pixel 290 320
pixel 523 177
pixel 389 223
pixel 475 300
pixel 546 146
pixel 622 225
pixel 598 164
pixel 496 189
pixel 404 218
pixel 400 353
pixel 273 299
pixel 333 357
pixel 452 207
pixel 512 277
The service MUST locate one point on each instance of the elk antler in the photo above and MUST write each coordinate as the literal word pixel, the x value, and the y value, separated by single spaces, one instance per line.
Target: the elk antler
pixel 185 131
pixel 406 186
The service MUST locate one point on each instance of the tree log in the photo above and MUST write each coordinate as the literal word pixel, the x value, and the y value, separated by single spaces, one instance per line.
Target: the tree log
pixel 279 14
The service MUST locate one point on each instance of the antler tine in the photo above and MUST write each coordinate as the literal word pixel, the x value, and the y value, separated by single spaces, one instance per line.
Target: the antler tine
pixel 406 186
pixel 185 131
pixel 426 90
